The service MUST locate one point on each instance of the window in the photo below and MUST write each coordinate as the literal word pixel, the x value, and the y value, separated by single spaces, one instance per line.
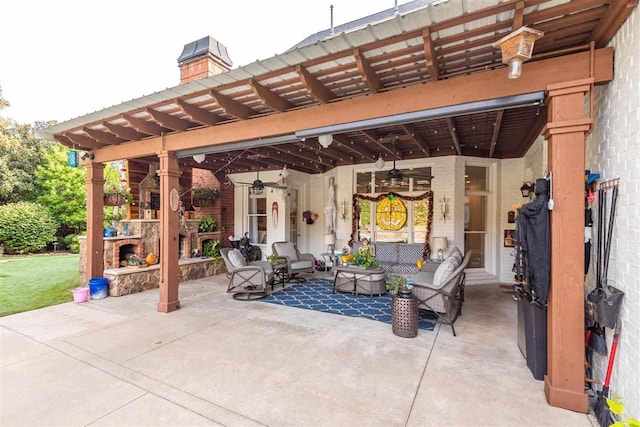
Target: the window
pixel 258 219
pixel 393 221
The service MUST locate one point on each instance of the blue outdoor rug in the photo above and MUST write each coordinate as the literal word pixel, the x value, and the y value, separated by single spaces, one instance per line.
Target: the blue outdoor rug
pixel 317 294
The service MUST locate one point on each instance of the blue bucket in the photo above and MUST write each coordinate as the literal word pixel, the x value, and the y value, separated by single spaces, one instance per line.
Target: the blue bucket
pixel 99 287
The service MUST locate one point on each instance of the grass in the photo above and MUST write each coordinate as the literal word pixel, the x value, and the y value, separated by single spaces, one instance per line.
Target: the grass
pixel 31 282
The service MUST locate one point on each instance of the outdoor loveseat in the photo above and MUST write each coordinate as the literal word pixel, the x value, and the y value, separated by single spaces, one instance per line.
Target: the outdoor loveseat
pixel 398 258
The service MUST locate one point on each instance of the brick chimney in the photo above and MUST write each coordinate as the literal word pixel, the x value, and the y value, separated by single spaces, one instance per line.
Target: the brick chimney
pixel 203 58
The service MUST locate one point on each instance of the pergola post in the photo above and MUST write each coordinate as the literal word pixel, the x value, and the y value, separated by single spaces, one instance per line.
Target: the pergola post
pixel 565 132
pixel 169 173
pixel 94 262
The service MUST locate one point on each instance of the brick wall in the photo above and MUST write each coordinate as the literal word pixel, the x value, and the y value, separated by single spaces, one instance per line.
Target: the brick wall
pixel 614 150
pixel 222 210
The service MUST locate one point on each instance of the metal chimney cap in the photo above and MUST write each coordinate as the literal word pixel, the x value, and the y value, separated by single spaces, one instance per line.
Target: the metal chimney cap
pixel 205 46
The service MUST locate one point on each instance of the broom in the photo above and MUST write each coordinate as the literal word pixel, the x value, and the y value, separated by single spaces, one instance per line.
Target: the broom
pixel 601 409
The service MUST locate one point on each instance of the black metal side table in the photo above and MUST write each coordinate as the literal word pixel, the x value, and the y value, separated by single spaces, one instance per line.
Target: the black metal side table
pixel 404 315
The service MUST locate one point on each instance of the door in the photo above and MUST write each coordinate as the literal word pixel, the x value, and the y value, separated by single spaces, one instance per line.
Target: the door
pixel 294 227
pixel 476 215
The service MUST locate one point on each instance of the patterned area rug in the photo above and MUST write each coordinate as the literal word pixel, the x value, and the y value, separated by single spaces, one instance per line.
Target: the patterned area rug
pixel 317 294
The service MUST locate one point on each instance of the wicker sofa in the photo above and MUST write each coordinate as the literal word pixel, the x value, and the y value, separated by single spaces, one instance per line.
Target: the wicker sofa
pixel 399 258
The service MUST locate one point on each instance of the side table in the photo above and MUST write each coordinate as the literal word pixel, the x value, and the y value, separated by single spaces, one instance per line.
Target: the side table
pixel 280 274
pixel 329 257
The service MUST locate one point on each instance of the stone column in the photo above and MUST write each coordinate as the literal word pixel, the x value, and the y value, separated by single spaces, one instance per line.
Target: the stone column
pixel 169 173
pixel 566 132
pixel 94 260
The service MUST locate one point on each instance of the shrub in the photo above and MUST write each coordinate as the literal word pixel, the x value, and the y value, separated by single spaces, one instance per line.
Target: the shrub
pixel 71 242
pixel 211 248
pixel 207 224
pixel 26 227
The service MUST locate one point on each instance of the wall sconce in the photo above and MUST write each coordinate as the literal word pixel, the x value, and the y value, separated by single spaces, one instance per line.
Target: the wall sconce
pixel 516 48
pixel 444 209
pixel 527 189
pixel 343 210
pixel 325 140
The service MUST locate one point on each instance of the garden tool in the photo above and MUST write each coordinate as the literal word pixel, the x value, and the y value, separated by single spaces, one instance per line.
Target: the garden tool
pixel 597 341
pixel 600 407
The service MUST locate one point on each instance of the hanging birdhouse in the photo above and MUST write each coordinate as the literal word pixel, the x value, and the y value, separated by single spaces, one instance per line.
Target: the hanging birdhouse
pixel 516 48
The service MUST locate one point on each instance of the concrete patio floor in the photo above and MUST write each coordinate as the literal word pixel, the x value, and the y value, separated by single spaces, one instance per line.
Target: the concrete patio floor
pixel 217 361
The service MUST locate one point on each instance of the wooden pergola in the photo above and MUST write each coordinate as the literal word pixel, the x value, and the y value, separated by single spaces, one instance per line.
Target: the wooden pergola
pixel 406 65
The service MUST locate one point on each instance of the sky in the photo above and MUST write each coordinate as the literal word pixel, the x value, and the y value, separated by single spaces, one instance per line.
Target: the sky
pixel 62 59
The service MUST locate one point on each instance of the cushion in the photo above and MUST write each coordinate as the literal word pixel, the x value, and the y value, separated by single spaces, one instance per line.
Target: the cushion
pixel 404 269
pixel 236 258
pixel 455 253
pixel 410 253
pixel 286 249
pixel 299 265
pixel 387 252
pixel 443 272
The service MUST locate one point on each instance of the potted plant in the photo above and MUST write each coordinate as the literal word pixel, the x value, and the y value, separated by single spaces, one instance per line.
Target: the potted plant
pixel 398 285
pixel 365 259
pixel 203 196
pixel 117 195
pixel 207 224
pixel 211 248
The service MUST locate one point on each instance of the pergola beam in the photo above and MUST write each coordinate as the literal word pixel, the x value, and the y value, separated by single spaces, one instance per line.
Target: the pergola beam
pixel 616 14
pixel 168 121
pixel 368 74
pixel 496 132
pixel 417 139
pixel 231 106
pixel 197 114
pixel 314 87
pixel 357 149
pixel 104 138
pixel 430 55
pixel 82 140
pixel 518 13
pixel 270 99
pixel 124 132
pixel 290 158
pixel 326 152
pixel 454 134
pixel 144 126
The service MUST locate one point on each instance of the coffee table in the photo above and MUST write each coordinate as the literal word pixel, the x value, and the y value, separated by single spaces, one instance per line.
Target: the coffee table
pixel 357 280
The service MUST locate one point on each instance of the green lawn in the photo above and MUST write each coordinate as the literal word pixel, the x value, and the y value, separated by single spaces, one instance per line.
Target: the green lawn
pixel 27 283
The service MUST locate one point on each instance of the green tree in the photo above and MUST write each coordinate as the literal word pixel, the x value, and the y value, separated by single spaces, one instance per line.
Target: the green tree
pixel 20 155
pixel 62 188
pixel 26 227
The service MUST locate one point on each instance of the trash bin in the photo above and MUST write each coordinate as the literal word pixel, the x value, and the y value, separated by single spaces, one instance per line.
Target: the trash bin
pixel 99 287
pixel 535 330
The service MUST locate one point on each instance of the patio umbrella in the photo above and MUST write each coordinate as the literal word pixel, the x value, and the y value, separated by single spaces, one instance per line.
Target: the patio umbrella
pixel 330 209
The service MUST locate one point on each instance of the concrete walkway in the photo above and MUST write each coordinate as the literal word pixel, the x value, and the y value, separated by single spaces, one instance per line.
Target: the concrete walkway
pixel 216 361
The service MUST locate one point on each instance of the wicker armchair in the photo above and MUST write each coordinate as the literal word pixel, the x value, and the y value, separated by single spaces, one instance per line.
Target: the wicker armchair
pixel 444 298
pixel 248 280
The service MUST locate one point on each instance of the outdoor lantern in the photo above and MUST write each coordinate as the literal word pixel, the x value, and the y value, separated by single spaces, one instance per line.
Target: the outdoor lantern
pixel 526 189
pixel 325 140
pixel 516 48
pixel 199 158
pixel 379 162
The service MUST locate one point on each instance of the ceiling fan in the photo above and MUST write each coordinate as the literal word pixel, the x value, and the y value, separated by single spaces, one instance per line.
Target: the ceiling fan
pixel 257 187
pixel 395 177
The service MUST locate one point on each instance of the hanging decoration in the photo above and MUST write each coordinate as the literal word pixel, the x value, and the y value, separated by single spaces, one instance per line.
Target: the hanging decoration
pixel 391 214
pixel 274 215
pixel 73 158
pixel 427 195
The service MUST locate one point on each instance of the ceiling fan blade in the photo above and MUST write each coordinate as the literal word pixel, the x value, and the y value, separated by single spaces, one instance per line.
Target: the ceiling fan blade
pixel 245 183
pixel 416 174
pixel 274 185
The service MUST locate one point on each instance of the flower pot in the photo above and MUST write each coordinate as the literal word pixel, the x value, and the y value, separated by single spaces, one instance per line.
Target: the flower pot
pixel 80 294
pixel 114 199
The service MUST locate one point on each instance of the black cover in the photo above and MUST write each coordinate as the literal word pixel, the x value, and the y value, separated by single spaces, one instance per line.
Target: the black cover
pixel 533 244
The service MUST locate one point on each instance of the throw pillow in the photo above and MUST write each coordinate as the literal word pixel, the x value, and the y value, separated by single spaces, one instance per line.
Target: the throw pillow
pixel 236 258
pixel 455 253
pixel 443 272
